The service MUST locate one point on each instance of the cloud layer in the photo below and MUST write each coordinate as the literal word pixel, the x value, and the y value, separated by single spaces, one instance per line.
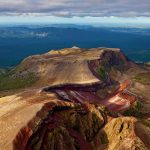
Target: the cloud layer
pixel 69 8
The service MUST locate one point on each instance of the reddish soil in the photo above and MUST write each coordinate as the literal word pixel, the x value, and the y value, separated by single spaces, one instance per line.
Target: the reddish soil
pixel 119 100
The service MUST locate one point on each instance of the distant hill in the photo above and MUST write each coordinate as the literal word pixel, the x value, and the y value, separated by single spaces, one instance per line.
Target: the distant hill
pixel 23 41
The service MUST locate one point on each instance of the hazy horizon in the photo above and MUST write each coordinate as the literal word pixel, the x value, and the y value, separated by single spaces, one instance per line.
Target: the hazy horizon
pixel 135 22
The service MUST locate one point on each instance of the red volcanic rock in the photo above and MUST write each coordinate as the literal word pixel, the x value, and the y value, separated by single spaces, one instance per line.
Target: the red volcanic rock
pixel 65 126
pixel 72 104
pixel 26 132
pixel 119 100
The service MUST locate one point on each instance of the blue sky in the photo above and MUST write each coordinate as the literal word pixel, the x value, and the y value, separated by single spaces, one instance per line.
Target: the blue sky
pixel 124 12
pixel 139 22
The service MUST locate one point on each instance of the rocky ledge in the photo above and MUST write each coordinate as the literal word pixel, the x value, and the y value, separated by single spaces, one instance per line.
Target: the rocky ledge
pixel 81 99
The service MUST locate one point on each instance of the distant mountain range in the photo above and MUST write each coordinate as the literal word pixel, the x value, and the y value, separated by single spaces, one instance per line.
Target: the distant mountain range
pixel 18 42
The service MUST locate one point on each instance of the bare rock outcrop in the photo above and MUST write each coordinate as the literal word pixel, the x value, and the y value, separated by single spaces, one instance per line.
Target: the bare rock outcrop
pixel 78 101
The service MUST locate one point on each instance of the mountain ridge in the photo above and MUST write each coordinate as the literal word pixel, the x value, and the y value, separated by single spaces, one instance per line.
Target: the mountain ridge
pixel 91 98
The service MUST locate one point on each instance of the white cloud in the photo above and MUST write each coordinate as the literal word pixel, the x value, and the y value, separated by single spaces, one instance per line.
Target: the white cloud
pixel 69 8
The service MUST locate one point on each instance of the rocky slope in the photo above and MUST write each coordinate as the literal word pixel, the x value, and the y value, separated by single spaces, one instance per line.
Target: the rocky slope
pixel 78 99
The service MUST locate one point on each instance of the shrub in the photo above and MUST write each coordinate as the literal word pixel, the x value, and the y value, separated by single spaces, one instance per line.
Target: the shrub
pixel 102 73
pixel 9 81
pixel 146 123
pixel 135 111
pixel 143 78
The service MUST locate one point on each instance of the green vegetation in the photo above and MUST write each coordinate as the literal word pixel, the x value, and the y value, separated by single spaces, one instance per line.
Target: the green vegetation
pixel 102 73
pixel 146 123
pixel 143 78
pixel 135 111
pixel 10 81
pixel 104 139
pixel 104 69
pixel 108 64
pixel 148 63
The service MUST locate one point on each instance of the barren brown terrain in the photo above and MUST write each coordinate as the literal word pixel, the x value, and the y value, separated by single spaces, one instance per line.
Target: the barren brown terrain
pixel 94 99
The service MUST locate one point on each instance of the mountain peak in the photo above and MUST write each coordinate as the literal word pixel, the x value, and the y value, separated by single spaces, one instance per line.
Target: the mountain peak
pixel 87 97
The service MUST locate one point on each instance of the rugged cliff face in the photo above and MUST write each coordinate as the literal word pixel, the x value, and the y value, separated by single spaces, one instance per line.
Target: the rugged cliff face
pixel 78 99
pixel 68 128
